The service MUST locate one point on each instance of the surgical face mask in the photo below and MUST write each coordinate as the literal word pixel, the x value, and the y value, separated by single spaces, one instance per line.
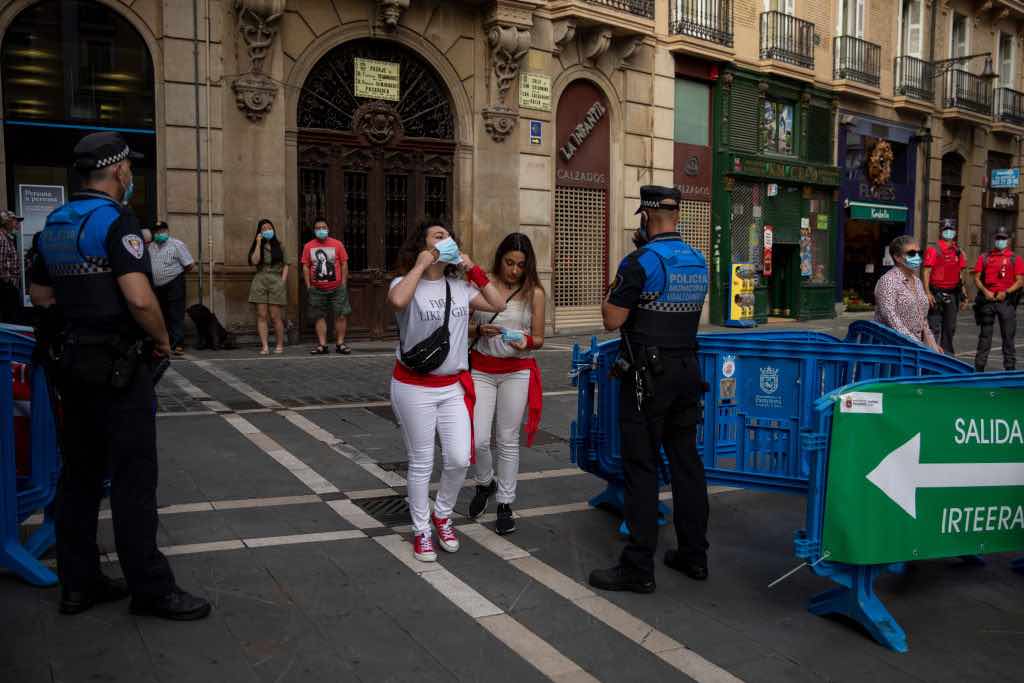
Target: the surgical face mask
pixel 1002 244
pixel 913 261
pixel 321 233
pixel 161 237
pixel 949 235
pixel 268 234
pixel 448 251
pixel 129 190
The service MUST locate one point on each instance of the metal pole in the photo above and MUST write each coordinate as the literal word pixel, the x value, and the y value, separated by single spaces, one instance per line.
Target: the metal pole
pixel 199 165
pixel 928 139
pixel 209 153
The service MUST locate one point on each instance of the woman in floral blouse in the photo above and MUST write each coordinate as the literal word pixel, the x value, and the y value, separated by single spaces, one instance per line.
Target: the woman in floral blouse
pixel 900 299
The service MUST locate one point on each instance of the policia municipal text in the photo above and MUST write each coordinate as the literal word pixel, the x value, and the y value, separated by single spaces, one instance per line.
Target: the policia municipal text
pixel 656 301
pixel 103 332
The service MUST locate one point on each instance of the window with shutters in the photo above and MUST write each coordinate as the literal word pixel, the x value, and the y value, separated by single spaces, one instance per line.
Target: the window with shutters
pixel 743 117
pixel 958 41
pixel 777 127
pixel 819 135
pixel 783 213
pixel 1006 60
pixel 910 33
pixel 851 18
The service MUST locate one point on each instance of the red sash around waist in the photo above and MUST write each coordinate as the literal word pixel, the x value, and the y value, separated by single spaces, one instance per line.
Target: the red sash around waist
pixel 535 395
pixel 407 376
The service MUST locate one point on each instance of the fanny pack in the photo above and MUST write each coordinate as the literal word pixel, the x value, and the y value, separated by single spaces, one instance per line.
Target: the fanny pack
pixel 430 354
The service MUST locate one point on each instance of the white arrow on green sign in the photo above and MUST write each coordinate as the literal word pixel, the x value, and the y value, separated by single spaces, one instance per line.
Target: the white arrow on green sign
pixel 901 474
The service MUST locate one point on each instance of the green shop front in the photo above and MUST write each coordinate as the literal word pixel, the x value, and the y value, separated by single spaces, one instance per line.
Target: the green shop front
pixel 775 202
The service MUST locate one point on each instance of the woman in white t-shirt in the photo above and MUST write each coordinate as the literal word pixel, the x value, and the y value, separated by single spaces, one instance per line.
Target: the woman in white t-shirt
pixel 440 400
pixel 506 376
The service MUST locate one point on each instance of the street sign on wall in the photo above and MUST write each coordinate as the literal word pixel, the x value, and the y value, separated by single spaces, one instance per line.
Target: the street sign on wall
pixel 1005 178
pixel 920 472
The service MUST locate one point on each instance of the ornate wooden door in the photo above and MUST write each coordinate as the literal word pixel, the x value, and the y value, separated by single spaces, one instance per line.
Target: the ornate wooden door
pixel 373 168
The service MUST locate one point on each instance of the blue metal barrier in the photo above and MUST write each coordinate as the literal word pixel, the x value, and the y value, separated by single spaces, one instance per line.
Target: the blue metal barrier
pixel 22 497
pixel 856 598
pixel 871 332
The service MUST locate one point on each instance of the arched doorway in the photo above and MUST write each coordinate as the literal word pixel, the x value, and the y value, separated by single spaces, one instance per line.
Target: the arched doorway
pixel 376 151
pixel 71 67
pixel 582 180
pixel 952 190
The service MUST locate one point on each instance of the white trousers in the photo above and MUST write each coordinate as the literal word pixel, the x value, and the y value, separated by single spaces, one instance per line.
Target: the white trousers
pixel 500 399
pixel 422 412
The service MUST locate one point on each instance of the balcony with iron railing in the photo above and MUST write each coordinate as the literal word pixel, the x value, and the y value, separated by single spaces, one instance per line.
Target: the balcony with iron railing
pixel 857 61
pixel 620 17
pixel 966 96
pixel 1008 111
pixel 707 20
pixel 787 39
pixel 915 78
pixel 641 8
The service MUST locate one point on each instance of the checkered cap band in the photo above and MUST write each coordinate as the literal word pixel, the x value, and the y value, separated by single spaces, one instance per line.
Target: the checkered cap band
pixel 93 265
pixel 665 307
pixel 111 160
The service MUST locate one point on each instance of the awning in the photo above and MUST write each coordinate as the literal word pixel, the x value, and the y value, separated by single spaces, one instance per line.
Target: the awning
pixel 878 212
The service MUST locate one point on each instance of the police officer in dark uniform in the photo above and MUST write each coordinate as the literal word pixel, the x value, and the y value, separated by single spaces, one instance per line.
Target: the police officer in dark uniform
pixel 92 267
pixel 656 300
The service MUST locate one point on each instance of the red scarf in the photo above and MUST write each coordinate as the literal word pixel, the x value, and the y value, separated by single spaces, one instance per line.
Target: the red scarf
pixel 407 376
pixel 535 396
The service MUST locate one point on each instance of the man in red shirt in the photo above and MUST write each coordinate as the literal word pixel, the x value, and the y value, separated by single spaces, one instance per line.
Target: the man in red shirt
pixel 325 266
pixel 999 275
pixel 944 265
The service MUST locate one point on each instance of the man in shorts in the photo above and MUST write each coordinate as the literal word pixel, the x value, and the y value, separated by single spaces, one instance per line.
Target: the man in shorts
pixel 325 266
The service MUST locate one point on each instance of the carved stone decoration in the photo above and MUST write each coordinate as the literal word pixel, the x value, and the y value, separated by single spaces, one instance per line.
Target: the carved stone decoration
pixel 727 79
pixel 257 26
pixel 378 122
pixel 596 42
pixel 391 12
pixel 254 95
pixel 509 45
pixel 564 32
pixel 499 121
pixel 627 46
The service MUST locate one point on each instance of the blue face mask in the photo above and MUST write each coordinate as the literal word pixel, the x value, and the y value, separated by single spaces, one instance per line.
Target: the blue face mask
pixel 448 251
pixel 321 233
pixel 949 235
pixel 128 191
pixel 913 261
pixel 268 234
pixel 1002 244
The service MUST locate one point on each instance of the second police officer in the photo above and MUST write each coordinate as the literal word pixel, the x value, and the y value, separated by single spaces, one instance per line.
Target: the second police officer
pixel 92 271
pixel 656 302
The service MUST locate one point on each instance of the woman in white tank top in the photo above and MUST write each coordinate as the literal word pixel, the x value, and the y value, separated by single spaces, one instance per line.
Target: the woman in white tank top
pixel 506 376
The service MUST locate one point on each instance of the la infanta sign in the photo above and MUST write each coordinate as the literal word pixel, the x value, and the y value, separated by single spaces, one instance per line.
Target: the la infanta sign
pixel 785 170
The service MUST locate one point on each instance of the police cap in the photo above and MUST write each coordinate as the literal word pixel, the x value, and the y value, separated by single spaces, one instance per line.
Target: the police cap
pixel 658 197
pixel 1001 231
pixel 99 150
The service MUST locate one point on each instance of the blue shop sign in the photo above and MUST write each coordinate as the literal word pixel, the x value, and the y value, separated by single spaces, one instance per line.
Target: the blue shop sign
pixel 1005 179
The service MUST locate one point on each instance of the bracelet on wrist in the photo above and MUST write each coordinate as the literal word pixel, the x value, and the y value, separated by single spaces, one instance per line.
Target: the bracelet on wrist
pixel 530 343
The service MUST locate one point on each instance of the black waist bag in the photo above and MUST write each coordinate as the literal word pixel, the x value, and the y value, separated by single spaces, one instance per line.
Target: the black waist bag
pixel 430 353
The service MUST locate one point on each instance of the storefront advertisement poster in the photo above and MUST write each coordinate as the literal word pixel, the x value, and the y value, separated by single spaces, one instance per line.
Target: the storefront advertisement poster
pixel 35 203
pixel 806 253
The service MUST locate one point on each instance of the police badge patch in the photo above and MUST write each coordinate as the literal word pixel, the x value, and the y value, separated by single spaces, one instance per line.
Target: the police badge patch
pixel 133 245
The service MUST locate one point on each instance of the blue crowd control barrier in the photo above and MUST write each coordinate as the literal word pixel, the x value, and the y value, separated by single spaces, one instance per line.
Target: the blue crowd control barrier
pixel 23 496
pixel 871 332
pixel 855 598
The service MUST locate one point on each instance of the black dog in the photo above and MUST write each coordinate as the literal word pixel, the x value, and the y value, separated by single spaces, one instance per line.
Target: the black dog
pixel 210 334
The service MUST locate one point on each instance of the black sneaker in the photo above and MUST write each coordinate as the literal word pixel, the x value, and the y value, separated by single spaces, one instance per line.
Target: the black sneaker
pixel 479 502
pixel 506 523
pixel 621 578
pixel 176 606
pixel 696 570
pixel 105 590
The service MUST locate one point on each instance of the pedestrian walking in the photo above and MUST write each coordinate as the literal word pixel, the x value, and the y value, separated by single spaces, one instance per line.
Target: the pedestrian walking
pixel 505 375
pixel 10 268
pixel 170 261
pixel 431 388
pixel 944 265
pixel 325 267
pixel 91 263
pixel 656 303
pixel 999 276
pixel 268 291
pixel 900 299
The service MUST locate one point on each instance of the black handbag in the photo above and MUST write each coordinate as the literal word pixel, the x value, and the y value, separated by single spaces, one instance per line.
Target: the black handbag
pixel 430 353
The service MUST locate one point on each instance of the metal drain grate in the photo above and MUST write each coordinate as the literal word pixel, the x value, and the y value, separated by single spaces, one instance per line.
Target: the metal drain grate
pixel 388 510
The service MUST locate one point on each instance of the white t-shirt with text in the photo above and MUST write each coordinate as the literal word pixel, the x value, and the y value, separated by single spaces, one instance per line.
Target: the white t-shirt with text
pixel 425 313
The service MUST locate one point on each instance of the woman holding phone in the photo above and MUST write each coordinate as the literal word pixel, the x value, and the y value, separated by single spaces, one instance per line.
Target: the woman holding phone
pixel 268 291
pixel 506 376
pixel 431 389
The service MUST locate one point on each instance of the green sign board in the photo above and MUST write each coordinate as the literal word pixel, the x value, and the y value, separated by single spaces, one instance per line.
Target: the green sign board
pixel 878 212
pixel 785 170
pixel 923 471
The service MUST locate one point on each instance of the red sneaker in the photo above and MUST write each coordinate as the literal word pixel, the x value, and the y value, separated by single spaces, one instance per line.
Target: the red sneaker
pixel 446 533
pixel 423 547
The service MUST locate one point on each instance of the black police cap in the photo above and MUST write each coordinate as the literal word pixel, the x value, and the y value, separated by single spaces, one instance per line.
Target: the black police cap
pixel 1002 232
pixel 658 197
pixel 99 150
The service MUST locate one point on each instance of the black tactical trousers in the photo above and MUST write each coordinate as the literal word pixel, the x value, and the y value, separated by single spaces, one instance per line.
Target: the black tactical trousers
pixel 670 420
pixel 1006 313
pixel 110 431
pixel 942 317
pixel 172 304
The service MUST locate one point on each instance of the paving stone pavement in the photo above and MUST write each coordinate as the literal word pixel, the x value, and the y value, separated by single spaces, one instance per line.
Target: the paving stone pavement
pixel 265 464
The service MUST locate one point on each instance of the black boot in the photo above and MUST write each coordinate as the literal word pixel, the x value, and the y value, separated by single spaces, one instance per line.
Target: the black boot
pixel 695 569
pixel 506 523
pixel 176 606
pixel 479 502
pixel 622 578
pixel 104 590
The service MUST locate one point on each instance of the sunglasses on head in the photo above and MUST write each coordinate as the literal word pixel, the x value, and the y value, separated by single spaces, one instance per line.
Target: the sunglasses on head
pixel 912 252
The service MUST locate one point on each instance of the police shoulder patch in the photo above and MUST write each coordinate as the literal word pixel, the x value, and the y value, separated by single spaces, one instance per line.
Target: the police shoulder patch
pixel 133 245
